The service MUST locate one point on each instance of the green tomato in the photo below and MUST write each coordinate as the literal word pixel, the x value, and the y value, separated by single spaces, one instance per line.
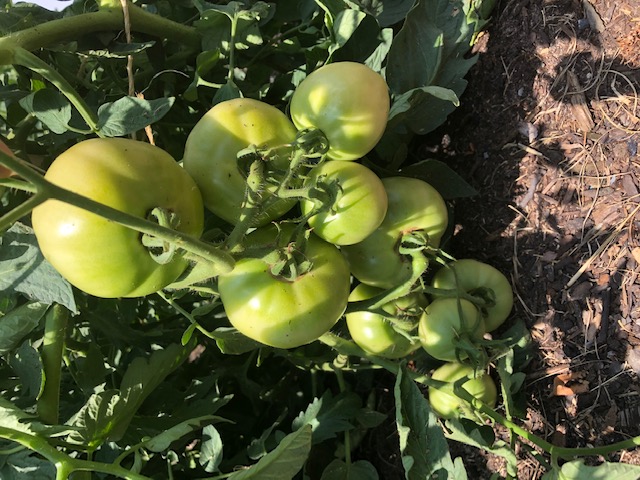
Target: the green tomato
pixel 444 322
pixel 99 256
pixel 413 205
pixel 348 102
pixel 210 155
pixel 359 208
pixel 283 313
pixel 445 403
pixel 374 333
pixel 478 278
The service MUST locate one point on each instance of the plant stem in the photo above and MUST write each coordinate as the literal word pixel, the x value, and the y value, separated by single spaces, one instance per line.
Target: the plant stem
pixel 69 28
pixel 52 349
pixel 21 56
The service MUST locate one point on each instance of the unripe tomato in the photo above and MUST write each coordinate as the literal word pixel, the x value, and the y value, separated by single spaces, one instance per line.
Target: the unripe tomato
pixel 348 102
pixel 445 403
pixel 444 321
pixel 478 278
pixel 210 154
pixel 374 333
pixel 359 209
pixel 284 313
pixel 99 256
pixel 412 205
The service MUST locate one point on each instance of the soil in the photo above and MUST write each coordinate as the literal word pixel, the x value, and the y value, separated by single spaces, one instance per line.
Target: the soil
pixel 548 132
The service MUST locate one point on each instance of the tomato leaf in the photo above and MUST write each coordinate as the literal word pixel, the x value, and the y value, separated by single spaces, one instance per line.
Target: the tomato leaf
pixel 26 464
pixel 50 107
pixel 211 450
pixel 440 176
pixel 424 449
pixel 130 114
pixel 17 324
pixel 26 363
pixel 25 270
pixel 329 415
pixel 231 342
pixel 481 436
pixel 285 461
pixel 577 470
pixel 359 470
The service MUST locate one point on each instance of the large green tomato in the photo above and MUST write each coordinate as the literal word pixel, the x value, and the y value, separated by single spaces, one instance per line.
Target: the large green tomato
pixel 447 404
pixel 96 255
pixel 444 322
pixel 283 313
pixel 478 278
pixel 210 155
pixel 413 205
pixel 348 102
pixel 359 209
pixel 374 333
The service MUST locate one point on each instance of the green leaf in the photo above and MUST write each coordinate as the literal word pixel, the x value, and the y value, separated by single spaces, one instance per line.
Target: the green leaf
pixel 577 470
pixel 130 114
pixel 26 363
pixel 50 107
pixel 424 449
pixel 107 414
pixel 26 464
pixel 258 447
pixel 481 436
pixel 164 440
pixel 211 449
pixel 228 91
pixel 360 470
pixel 285 461
pixel 329 415
pixel 17 324
pixel 13 418
pixel 423 109
pixel 24 269
pixel 442 177
pixel 231 342
pixel 121 50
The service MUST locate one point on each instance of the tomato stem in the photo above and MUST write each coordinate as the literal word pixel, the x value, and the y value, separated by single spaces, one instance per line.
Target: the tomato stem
pixel 52 350
pixel 59 30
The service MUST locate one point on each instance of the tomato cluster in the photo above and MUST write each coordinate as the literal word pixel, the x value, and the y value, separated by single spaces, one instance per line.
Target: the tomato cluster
pixel 306 219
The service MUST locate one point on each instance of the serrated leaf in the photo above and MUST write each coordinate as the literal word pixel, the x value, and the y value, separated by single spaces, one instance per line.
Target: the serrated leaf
pixel 26 464
pixel 13 418
pixel 130 114
pixel 481 436
pixel 26 363
pixel 442 177
pixel 329 415
pixel 211 449
pixel 19 323
pixel 577 470
pixel 50 107
pixel 258 447
pixel 285 461
pixel 107 414
pixel 424 449
pixel 162 441
pixel 231 342
pixel 23 269
pixel 360 470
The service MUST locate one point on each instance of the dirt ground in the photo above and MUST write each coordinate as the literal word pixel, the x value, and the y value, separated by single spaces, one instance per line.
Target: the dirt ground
pixel 548 133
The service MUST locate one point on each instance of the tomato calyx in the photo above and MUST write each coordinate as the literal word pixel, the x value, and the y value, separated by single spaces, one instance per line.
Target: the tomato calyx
pixel 161 250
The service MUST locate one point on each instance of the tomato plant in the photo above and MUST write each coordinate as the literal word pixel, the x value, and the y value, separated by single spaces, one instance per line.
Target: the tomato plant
pixel 348 102
pixel 413 205
pixel 359 208
pixel 98 256
pixel 446 403
pixel 211 150
pixel 483 280
pixel 445 323
pixel 281 312
pixel 375 333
